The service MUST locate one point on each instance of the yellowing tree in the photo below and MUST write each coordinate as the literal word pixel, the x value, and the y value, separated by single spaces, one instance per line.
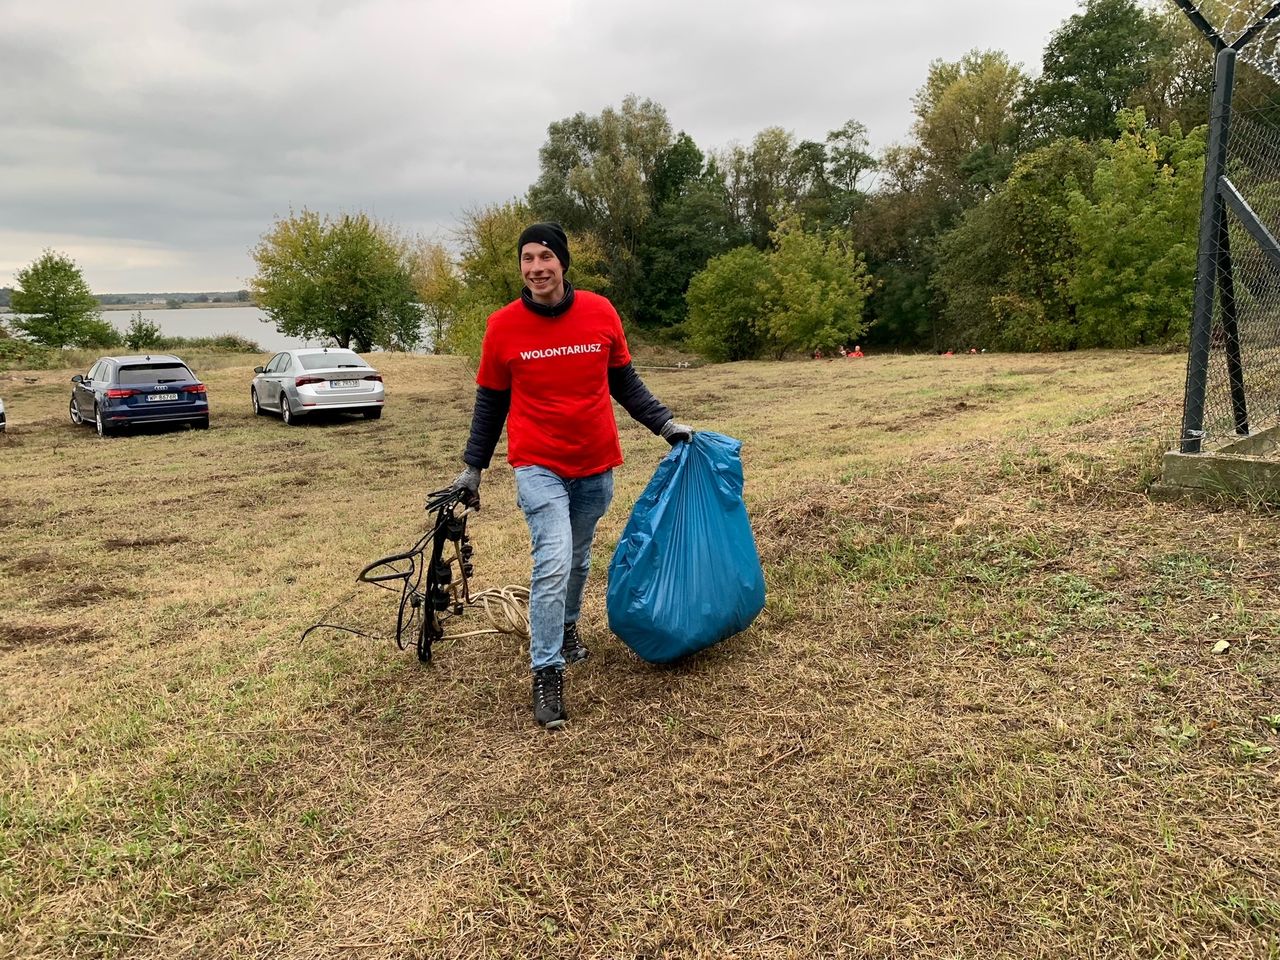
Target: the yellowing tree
pixel 965 121
pixel 439 284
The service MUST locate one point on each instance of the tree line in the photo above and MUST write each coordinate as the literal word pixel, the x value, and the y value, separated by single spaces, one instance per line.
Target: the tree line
pixel 1047 212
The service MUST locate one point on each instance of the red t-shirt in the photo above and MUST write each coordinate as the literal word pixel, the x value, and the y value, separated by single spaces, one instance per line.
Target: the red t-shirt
pixel 557 369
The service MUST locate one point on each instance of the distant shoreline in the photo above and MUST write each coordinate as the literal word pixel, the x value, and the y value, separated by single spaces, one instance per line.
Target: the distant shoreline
pixel 161 305
pixel 158 305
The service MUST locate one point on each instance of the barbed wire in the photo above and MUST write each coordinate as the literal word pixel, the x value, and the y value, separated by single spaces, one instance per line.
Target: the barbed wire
pixel 1234 18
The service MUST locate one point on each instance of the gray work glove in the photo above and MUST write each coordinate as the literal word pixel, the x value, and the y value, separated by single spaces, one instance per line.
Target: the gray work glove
pixel 674 433
pixel 468 484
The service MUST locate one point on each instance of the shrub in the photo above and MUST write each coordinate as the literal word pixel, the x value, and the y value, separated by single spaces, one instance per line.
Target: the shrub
pixel 142 333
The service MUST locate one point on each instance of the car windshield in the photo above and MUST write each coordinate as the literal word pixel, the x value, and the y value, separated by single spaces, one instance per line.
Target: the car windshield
pixel 154 373
pixel 330 360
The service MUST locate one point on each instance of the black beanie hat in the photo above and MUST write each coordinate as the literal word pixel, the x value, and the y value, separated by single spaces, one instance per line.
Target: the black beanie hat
pixel 551 235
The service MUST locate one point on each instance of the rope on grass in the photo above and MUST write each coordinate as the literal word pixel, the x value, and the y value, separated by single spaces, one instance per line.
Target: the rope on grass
pixel 507 608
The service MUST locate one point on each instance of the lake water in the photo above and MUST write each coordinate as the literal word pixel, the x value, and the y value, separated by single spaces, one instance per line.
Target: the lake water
pixel 209 322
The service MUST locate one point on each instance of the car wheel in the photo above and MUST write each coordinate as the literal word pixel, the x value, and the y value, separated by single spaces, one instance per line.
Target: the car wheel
pixel 74 412
pixel 100 422
pixel 201 424
pixel 374 414
pixel 286 412
pixel 257 407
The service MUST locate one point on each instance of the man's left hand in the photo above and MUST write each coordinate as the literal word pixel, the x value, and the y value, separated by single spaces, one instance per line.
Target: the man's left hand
pixel 674 433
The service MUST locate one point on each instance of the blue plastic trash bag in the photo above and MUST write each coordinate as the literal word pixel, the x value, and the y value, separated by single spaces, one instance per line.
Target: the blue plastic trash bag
pixel 686 573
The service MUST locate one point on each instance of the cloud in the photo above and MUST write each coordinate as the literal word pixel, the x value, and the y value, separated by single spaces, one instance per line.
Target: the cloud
pixel 163 137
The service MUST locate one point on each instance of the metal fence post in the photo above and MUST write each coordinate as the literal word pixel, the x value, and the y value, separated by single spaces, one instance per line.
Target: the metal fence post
pixel 1211 216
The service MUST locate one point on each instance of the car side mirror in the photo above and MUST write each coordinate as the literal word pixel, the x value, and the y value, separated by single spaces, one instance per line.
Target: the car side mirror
pixel 259 369
pixel 77 379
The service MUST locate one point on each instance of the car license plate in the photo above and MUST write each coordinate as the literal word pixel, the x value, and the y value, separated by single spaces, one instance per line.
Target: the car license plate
pixel 152 397
pixel 343 384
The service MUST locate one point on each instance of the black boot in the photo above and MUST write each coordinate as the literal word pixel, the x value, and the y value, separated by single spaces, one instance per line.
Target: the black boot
pixel 573 650
pixel 548 697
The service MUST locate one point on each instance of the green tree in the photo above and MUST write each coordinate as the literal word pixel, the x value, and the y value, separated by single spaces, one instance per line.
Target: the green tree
pixel 1136 231
pixel 1093 65
pixel 349 278
pixel 691 226
pixel 820 290
pixel 54 303
pixel 490 263
pixel 598 175
pixel 807 293
pixel 849 159
pixel 760 181
pixel 1003 271
pixel 1179 75
pixel 142 333
pixel 896 228
pixel 727 305
pixel 677 166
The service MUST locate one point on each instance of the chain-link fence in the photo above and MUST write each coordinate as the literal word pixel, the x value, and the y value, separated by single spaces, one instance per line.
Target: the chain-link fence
pixel 1233 370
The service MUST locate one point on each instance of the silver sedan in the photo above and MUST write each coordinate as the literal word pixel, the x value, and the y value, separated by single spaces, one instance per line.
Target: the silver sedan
pixel 299 382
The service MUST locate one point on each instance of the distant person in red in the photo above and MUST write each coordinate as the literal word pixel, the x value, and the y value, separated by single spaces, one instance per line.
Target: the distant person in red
pixel 857 352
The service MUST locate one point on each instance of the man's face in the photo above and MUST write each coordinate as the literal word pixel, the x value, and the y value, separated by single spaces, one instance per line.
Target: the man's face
pixel 542 273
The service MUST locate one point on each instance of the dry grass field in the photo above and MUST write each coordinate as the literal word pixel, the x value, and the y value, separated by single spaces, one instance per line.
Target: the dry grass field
pixel 981 715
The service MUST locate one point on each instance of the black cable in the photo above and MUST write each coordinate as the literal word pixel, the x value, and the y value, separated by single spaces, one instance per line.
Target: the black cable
pixel 429 591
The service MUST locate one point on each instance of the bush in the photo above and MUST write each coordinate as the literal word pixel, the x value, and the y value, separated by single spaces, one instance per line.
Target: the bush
pixel 727 305
pixel 96 332
pixel 142 333
pixel 18 354
pixel 222 343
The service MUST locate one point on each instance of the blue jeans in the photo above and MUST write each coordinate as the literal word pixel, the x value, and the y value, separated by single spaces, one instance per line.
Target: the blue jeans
pixel 562 516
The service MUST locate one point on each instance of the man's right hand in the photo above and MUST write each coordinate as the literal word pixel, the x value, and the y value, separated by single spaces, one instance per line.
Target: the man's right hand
pixel 468 484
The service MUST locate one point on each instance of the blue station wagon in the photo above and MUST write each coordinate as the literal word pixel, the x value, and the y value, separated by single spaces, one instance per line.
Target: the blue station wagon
pixel 119 391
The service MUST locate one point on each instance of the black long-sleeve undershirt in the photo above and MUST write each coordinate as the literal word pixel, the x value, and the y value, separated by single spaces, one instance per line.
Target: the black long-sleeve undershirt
pixel 487 418
pixel 633 396
pixel 492 406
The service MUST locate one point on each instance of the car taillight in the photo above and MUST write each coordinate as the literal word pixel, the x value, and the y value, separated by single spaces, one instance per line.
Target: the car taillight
pixel 115 393
pixel 303 381
pixel 374 376
pixel 195 388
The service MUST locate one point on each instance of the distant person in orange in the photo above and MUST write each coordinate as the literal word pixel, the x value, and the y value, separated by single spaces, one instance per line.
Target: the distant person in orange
pixel 856 352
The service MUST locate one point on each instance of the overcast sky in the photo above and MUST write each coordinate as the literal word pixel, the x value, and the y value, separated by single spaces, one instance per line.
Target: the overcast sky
pixel 155 140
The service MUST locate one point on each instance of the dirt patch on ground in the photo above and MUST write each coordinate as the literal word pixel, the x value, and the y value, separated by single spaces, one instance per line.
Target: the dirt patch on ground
pixel 33 563
pixel 32 634
pixel 938 412
pixel 130 542
pixel 81 595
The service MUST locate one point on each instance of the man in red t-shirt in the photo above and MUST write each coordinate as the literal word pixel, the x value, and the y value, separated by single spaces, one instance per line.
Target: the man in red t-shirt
pixel 550 363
